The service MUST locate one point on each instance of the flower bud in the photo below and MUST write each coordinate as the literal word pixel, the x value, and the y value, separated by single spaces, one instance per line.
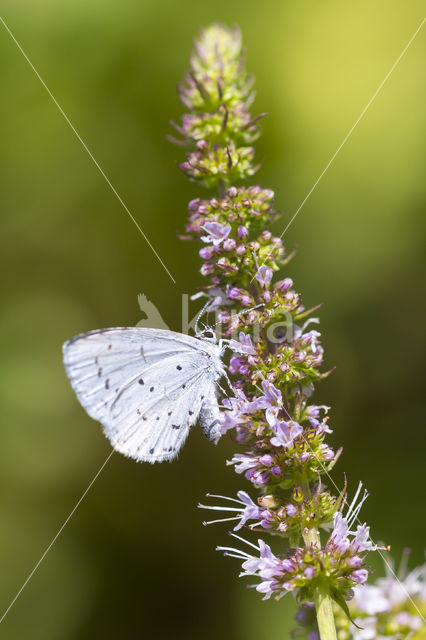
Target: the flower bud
pixel 291 510
pixel 206 269
pixel 269 501
pixel 267 460
pixel 194 204
pixel 265 236
pixel 297 495
pixel 283 285
pixel 276 471
pixel 202 145
pixel 206 253
pixel 242 232
pixel 259 477
pixel 229 244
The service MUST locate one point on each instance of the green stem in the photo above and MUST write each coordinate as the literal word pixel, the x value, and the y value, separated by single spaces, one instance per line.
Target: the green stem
pixel 325 618
pixel 323 602
pixel 222 189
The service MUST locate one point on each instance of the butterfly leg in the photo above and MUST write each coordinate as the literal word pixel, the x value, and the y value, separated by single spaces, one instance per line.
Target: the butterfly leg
pixel 210 419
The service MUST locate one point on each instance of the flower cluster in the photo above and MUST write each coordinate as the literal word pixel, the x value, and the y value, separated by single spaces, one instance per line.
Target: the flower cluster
pixel 282 451
pixel 277 353
pixel 392 608
pixel 299 569
pixel 218 93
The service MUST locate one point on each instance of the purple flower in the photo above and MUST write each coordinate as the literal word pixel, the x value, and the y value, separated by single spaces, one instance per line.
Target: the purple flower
pixel 311 339
pixel 206 269
pixel 218 298
pixel 242 232
pixel 243 463
pixel 229 244
pixel 285 433
pixel 360 575
pixel 320 427
pixel 267 460
pixel 251 511
pixel 291 510
pixel 340 538
pixel 206 253
pixel 264 275
pixel 216 232
pixel 267 565
pixel 258 477
pixel 243 507
pixel 235 364
pixel 244 345
pixel 239 407
pixel 283 285
pixel 272 401
pixel 309 572
pixel 361 541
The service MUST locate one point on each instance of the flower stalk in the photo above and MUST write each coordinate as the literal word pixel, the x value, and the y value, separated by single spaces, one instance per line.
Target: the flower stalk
pixel 277 354
pixel 324 612
pixel 322 600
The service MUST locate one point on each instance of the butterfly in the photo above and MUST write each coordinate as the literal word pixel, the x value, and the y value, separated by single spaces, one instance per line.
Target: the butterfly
pixel 147 387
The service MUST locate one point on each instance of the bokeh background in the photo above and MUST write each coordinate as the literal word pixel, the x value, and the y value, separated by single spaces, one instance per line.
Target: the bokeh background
pixel 134 561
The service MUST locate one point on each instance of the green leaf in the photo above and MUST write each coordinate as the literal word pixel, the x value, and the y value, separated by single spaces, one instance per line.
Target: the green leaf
pixel 337 597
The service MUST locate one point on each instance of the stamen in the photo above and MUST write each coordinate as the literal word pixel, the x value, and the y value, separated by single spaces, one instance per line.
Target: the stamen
pixel 357 509
pixel 234 535
pixel 243 554
pixel 349 511
pixel 214 495
pixel 205 523
pixel 214 508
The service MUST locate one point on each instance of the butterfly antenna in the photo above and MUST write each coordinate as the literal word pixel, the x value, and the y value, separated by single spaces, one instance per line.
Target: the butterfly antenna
pixel 199 316
pixel 242 313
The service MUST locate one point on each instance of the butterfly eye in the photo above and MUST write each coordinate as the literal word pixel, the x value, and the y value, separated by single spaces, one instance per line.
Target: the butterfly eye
pixel 208 334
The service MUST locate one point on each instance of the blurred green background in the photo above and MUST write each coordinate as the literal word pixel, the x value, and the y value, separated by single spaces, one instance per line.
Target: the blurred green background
pixel 134 561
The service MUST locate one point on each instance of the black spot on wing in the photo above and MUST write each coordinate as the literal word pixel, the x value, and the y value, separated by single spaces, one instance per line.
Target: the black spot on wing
pixel 176 426
pixel 179 368
pixel 107 383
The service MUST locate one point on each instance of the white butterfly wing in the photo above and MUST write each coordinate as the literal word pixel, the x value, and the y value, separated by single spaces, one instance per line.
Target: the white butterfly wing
pixel 146 386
